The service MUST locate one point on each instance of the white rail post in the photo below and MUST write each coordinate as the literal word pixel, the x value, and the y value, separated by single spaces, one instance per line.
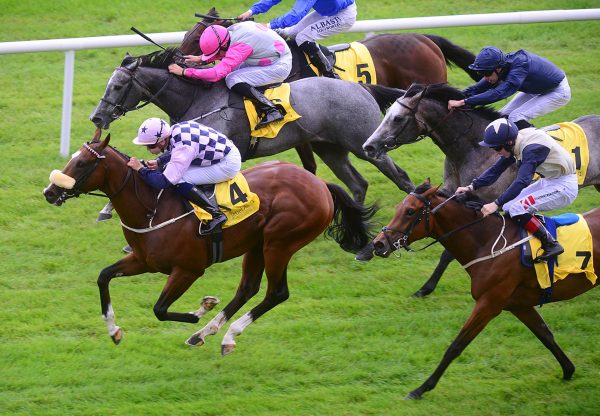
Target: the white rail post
pixel 65 130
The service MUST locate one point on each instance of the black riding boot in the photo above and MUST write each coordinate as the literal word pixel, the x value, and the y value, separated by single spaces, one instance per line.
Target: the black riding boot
pixel 197 197
pixel 523 124
pixel 318 59
pixel 550 246
pixel 270 112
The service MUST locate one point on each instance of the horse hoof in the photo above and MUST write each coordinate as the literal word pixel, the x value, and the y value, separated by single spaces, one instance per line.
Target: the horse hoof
pixel 117 336
pixel 209 302
pixel 413 395
pixel 421 293
pixel 195 341
pixel 227 349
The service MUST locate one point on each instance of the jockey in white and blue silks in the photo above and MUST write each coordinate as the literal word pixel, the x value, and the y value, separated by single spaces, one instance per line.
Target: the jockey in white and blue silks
pixel 534 151
pixel 542 86
pixel 250 55
pixel 194 155
pixel 328 18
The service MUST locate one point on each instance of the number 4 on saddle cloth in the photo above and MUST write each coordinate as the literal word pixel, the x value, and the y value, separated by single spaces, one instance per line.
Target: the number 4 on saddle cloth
pixel 233 198
pixel 573 233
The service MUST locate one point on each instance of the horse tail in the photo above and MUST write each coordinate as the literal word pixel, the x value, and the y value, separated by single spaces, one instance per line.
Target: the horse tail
pixel 457 55
pixel 385 96
pixel 351 225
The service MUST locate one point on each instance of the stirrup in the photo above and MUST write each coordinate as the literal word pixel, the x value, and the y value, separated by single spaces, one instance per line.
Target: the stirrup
pixel 268 118
pixel 213 224
pixel 547 256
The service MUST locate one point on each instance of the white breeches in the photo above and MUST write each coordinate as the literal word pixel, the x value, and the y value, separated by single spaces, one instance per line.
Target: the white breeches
pixel 313 26
pixel 544 195
pixel 226 169
pixel 257 76
pixel 529 106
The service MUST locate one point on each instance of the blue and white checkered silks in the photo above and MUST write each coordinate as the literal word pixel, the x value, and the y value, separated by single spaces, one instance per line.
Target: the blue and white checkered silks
pixel 210 146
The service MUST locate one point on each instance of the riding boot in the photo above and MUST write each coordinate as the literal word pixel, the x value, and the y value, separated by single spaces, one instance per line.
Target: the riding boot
pixel 550 246
pixel 523 124
pixel 264 106
pixel 198 197
pixel 318 59
pixel 105 213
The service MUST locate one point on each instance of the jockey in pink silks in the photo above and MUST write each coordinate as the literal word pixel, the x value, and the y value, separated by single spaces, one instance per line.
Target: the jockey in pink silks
pixel 250 54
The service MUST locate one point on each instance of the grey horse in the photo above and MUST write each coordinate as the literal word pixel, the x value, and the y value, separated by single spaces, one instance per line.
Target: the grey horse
pixel 423 112
pixel 336 116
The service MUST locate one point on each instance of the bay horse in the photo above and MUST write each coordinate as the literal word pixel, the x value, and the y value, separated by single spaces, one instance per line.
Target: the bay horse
pixel 295 208
pixel 336 116
pixel 497 284
pixel 423 112
pixel 399 60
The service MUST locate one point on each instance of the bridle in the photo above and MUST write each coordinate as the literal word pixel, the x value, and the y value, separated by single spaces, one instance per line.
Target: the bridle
pixel 119 109
pixel 80 181
pixel 426 211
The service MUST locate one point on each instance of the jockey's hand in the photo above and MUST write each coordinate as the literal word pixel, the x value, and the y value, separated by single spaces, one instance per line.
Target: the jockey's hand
pixel 193 59
pixel 463 189
pixel 488 209
pixel 452 104
pixel 176 69
pixel 152 164
pixel 135 164
pixel 245 15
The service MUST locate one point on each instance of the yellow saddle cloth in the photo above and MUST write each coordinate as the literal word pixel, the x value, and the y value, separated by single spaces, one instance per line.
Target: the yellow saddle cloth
pixel 235 200
pixel 354 64
pixel 280 96
pixel 572 137
pixel 577 258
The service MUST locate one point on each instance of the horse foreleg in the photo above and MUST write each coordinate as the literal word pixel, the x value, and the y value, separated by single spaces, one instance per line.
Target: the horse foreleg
pixel 277 292
pixel 252 270
pixel 485 310
pixel 533 320
pixel 307 157
pixel 128 266
pixel 178 282
pixel 431 284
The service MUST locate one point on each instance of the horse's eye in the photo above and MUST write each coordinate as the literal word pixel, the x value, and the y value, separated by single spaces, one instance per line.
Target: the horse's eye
pixel 410 211
pixel 80 164
pixel 398 119
pixel 118 87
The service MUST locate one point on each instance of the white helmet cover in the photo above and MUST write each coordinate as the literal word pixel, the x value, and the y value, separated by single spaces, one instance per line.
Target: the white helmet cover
pixel 151 131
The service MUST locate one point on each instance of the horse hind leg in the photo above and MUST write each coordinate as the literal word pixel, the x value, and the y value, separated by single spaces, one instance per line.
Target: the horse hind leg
pixel 253 267
pixel 277 292
pixel 532 319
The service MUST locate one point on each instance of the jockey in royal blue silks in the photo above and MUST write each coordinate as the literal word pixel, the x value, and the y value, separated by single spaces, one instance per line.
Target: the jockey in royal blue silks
pixel 534 151
pixel 328 18
pixel 542 86
pixel 194 155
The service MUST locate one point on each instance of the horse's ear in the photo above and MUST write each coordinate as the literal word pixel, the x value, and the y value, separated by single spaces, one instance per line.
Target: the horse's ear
pixel 106 141
pixel 97 135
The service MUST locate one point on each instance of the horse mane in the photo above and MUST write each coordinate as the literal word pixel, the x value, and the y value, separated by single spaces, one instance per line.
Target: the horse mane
pixel 443 92
pixel 468 199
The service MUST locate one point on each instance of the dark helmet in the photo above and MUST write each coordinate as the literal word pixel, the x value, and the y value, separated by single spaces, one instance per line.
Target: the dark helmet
pixel 498 132
pixel 489 58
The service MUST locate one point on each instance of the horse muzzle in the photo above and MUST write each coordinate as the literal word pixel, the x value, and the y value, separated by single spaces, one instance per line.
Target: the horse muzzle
pixel 375 150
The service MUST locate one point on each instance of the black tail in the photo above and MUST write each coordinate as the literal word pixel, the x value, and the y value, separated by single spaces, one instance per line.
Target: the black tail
pixel 454 54
pixel 385 96
pixel 351 226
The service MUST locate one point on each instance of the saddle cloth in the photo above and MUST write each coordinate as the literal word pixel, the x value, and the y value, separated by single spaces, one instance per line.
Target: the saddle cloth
pixel 235 200
pixel 279 95
pixel 353 64
pixel 572 137
pixel 578 256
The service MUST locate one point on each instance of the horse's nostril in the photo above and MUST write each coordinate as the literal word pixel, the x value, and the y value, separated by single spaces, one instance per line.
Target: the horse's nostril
pixel 378 245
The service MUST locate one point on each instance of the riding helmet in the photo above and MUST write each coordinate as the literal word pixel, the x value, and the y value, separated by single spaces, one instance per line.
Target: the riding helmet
pixel 498 132
pixel 213 39
pixel 488 59
pixel 151 131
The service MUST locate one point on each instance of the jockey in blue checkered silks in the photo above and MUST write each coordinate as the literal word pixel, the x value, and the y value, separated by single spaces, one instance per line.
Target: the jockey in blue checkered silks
pixel 533 151
pixel 193 154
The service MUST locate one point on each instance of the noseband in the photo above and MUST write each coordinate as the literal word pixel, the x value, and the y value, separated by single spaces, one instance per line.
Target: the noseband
pixel 402 241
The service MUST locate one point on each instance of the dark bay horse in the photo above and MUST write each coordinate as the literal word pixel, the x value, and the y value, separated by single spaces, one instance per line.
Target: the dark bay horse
pixel 399 60
pixel 336 116
pixel 295 208
pixel 423 111
pixel 497 284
